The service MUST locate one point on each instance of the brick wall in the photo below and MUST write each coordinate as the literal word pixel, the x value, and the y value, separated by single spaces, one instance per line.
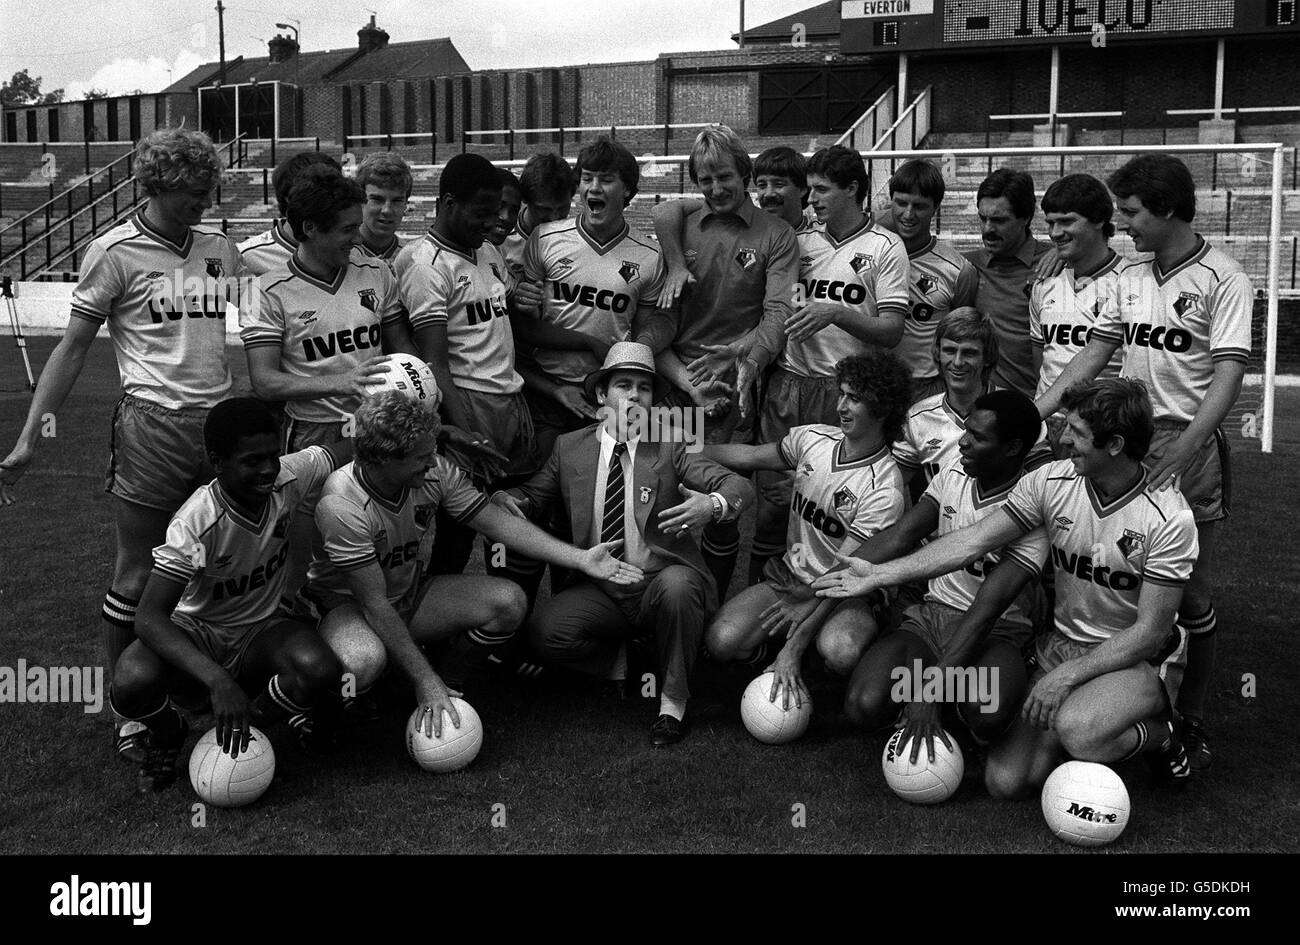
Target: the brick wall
pixel 618 93
pixel 724 97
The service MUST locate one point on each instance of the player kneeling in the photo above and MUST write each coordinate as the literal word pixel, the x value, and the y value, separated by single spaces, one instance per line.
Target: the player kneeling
pixel 210 616
pixel 1122 552
pixel 373 515
pixel 969 630
pixel 846 488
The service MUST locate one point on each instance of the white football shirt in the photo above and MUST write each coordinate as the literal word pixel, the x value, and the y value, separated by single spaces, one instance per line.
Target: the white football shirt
pixel 833 499
pixel 165 304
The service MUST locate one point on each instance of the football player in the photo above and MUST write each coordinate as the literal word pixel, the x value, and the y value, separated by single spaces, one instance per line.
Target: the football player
pixel 941 279
pixel 373 514
pixel 977 617
pixel 210 620
pixel 846 489
pixel 385 180
pixel 162 282
pixel 272 249
pixel 1064 307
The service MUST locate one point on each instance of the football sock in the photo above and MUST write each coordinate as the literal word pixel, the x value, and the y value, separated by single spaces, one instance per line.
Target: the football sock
pixel 119 626
pixel 673 707
pixel 1141 729
pixel 1201 645
pixel 720 559
pixel 760 553
pixel 273 705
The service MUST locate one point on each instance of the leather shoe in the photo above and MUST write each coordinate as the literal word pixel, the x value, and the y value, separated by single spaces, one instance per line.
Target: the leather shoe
pixel 667 730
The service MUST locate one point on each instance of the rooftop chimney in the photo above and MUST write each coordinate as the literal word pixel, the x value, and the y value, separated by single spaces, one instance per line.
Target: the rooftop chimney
pixel 371 37
pixel 282 48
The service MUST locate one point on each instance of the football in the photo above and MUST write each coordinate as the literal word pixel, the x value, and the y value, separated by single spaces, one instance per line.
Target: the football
pixel 923 782
pixel 768 721
pixel 408 375
pixel 224 781
pixel 1085 803
pixel 455 749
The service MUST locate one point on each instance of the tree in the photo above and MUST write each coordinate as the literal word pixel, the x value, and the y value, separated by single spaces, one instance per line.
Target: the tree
pixel 96 93
pixel 23 89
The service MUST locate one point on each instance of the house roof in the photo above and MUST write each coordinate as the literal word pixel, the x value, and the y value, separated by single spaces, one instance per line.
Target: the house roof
pixel 418 59
pixel 821 23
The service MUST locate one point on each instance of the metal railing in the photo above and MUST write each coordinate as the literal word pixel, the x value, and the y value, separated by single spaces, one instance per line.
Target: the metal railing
pixel 905 134
pixel 865 132
pixel 1052 118
pixel 67 195
pixel 561 131
pixel 235 151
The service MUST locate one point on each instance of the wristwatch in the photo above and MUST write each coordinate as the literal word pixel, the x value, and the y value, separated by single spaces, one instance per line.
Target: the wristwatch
pixel 717 506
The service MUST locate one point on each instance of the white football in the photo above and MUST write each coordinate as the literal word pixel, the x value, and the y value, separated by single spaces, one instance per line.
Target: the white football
pixel 455 749
pixel 1085 803
pixel 768 721
pixel 923 782
pixel 224 781
pixel 410 376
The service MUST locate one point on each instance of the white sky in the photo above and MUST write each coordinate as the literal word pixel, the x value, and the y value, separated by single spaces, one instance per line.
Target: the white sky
pixel 121 45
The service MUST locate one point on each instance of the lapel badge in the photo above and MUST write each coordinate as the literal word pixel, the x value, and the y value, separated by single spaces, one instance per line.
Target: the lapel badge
pixel 645 494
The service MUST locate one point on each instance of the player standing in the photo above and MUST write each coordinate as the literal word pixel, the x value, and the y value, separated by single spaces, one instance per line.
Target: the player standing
pixel 602 280
pixel 385 180
pixel 1122 551
pixel 1006 265
pixel 941 279
pixel 852 294
pixel 741 264
pixel 162 282
pixel 1184 320
pixel 272 249
pixel 547 185
pixel 1064 308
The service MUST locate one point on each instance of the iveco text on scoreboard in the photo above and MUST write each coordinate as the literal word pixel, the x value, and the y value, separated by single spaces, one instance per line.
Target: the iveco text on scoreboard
pixel 906 25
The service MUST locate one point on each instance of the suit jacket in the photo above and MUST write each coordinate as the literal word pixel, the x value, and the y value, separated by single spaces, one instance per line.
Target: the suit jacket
pixel 570 477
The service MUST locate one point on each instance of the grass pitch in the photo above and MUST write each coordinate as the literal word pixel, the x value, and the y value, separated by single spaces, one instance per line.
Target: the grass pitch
pixel 562 771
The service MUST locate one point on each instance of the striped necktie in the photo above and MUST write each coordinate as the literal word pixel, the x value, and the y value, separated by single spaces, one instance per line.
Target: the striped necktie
pixel 611 525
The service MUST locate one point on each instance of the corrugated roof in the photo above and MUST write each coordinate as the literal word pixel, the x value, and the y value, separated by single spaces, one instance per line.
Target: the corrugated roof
pixel 821 22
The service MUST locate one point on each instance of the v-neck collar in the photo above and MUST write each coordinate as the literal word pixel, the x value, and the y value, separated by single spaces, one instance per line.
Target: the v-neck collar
pixel 601 248
pixel 1103 509
pixel 181 249
pixel 238 517
pixel 838 463
pixel 1190 259
pixel 303 274
pixel 373 492
pixel 438 241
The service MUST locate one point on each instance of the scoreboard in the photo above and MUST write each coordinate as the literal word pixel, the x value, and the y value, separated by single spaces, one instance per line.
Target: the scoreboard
pixel 910 25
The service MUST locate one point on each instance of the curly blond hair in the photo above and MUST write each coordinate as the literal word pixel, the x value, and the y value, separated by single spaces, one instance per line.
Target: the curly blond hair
pixel 176 159
pixel 390 425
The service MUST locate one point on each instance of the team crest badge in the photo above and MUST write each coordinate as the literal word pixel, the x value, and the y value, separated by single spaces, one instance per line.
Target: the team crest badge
pixel 1132 543
pixel 747 258
pixel 925 284
pixel 862 261
pixel 1186 302
pixel 368 299
pixel 281 527
pixel 215 268
pixel 424 514
pixel 844 499
pixel 645 494
pixel 629 270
